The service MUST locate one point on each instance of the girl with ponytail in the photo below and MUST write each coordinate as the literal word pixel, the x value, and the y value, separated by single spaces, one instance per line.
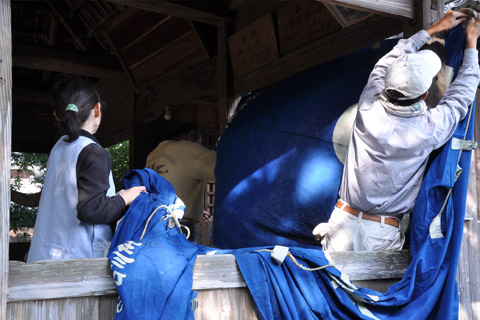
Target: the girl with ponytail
pixel 78 204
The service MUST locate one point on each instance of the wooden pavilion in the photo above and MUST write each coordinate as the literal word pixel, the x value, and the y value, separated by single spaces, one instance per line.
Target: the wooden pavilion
pixel 197 57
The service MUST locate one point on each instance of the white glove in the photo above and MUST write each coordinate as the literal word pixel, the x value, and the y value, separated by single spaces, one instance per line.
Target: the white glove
pixel 321 230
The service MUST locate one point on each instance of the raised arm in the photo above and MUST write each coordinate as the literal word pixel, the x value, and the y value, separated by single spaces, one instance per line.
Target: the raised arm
pixel 454 104
pixel 473 32
pixel 376 80
pixel 449 20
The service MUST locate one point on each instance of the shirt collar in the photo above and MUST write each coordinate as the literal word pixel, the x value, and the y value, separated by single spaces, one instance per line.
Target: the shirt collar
pixel 88 135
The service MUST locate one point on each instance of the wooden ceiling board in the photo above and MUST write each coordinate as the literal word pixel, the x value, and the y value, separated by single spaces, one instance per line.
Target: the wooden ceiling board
pixel 130 29
pixel 344 41
pixel 155 40
pixel 249 11
pixel 182 55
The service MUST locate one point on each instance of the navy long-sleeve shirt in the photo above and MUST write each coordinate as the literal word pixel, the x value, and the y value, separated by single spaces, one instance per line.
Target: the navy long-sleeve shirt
pixel 93 170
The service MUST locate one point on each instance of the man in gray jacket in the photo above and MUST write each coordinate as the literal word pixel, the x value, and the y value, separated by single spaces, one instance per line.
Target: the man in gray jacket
pixel 393 136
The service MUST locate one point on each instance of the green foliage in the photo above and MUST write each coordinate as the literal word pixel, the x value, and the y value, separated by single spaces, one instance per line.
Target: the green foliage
pixel 120 158
pixel 21 216
pixel 26 162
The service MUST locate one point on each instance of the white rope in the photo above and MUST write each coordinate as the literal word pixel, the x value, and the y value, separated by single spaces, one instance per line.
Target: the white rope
pixel 292 258
pixel 170 216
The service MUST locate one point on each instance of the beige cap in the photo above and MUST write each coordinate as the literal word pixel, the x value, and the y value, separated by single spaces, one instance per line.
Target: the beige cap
pixel 412 74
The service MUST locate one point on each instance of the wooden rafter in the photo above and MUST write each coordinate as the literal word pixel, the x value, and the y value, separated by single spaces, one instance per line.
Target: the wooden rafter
pixel 175 10
pixel 73 62
pixel 59 15
pixel 403 8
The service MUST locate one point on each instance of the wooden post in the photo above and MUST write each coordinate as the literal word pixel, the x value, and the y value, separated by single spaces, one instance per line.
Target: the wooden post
pixel 225 77
pixel 131 135
pixel 138 136
pixel 468 274
pixel 5 146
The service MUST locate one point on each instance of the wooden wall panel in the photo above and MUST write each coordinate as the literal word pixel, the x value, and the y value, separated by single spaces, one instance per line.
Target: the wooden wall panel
pixel 219 304
pixel 88 308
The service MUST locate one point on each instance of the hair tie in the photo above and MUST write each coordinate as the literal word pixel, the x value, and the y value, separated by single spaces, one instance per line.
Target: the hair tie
pixel 71 107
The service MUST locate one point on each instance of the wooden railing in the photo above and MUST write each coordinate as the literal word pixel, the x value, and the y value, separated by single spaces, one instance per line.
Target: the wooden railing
pixel 92 277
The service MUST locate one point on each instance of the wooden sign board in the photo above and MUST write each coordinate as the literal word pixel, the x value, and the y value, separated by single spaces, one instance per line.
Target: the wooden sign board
pixel 253 46
pixel 300 22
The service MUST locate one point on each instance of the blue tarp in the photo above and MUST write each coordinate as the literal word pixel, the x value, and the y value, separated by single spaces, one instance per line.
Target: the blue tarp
pixel 155 271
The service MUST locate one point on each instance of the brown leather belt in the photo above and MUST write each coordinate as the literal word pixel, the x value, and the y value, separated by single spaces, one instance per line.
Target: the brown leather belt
pixel 388 220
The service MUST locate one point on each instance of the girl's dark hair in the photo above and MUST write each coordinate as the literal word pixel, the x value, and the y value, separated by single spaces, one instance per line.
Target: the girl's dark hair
pixel 70 89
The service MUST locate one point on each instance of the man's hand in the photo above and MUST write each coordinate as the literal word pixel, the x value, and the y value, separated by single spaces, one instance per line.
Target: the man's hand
pixel 449 20
pixel 473 32
pixel 207 216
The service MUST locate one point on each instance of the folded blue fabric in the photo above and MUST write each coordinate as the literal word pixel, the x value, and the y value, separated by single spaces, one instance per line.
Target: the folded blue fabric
pixel 153 273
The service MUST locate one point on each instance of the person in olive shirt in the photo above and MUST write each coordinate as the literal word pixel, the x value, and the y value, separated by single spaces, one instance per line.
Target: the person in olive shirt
pixel 187 165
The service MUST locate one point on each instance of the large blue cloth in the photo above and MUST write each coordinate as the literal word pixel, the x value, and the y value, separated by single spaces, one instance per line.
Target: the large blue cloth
pixel 428 290
pixel 152 262
pixel 277 174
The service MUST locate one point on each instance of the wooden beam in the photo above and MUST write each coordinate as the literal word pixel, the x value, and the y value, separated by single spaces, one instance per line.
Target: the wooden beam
pixel 5 146
pixel 125 68
pixel 175 10
pixel 24 199
pixel 364 33
pixel 402 8
pixel 56 279
pixel 23 95
pixel 190 85
pixel 73 62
